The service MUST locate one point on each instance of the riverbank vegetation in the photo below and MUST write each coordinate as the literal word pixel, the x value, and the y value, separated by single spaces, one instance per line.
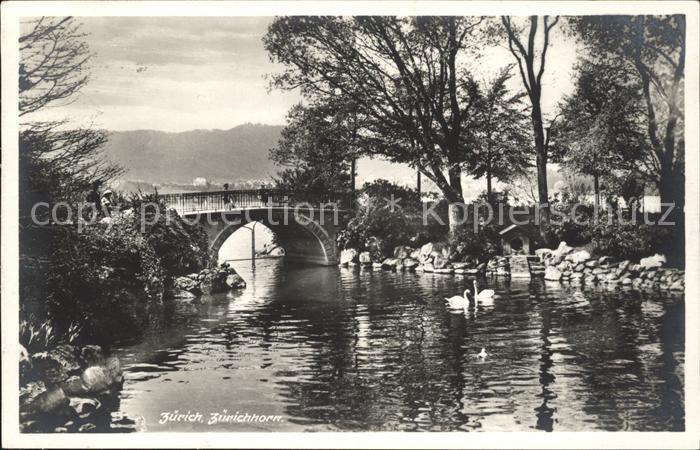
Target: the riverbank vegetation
pixel 418 98
pixel 84 282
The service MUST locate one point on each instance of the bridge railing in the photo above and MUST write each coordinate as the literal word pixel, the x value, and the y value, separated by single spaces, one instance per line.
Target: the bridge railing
pixel 189 202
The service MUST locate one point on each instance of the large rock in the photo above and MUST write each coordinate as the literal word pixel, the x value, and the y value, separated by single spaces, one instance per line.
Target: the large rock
pixel 426 250
pixel 677 286
pixel 74 386
pixel 48 401
pixel 562 250
pixel 186 284
pixel 97 379
pixel 390 263
pixel 552 274
pixel 365 258
pixel 402 252
pixel 415 254
pixel 235 281
pixel 653 261
pixel 84 405
pixel 347 256
pixel 604 260
pixel 565 265
pixel 182 295
pixel 410 263
pixel 579 257
pixel 440 262
pixel 543 253
pixel 114 369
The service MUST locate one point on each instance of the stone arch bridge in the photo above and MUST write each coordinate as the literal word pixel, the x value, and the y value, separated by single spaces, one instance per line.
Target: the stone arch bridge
pixel 305 224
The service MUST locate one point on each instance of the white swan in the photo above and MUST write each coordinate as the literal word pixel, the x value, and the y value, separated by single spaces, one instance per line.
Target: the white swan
pixel 485 294
pixel 457 301
pixel 482 354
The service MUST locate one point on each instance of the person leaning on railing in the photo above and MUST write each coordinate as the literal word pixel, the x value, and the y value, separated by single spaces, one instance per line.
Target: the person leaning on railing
pixel 226 197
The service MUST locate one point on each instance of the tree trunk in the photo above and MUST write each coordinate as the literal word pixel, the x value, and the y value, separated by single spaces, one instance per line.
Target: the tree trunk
pixel 541 163
pixel 456 199
pixel 596 193
pixel 489 191
pixel 668 189
pixel 418 183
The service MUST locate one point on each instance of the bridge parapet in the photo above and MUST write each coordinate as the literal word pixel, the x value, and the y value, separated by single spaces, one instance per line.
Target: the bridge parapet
pixel 209 201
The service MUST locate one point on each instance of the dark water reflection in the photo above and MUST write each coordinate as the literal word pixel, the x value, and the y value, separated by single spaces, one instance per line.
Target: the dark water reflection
pixel 331 349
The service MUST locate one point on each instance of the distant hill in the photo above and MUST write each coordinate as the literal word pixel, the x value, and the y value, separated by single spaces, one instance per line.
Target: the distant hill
pixel 240 153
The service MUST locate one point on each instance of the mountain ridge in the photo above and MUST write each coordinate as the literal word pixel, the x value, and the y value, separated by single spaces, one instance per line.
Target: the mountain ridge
pixel 158 156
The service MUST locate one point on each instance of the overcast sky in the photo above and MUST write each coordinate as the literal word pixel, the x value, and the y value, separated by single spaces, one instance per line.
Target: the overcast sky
pixel 184 73
pixel 177 74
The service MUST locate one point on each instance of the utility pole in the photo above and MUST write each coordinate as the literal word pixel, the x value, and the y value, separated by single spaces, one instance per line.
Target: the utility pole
pixel 252 243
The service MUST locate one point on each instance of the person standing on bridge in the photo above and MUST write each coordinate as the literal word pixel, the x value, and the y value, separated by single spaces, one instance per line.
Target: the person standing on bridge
pixel 226 197
pixel 264 194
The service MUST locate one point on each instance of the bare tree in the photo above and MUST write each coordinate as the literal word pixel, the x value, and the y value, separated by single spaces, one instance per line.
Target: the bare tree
pixel 57 162
pixel 531 71
pixel 53 62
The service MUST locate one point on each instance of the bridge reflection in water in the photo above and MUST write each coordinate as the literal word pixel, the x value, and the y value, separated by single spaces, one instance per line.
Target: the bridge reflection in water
pixel 305 223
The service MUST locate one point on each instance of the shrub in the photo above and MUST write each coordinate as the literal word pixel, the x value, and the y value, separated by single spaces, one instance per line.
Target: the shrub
pixel 181 247
pixel 374 224
pixel 107 279
pixel 628 240
pixel 378 227
pixel 482 245
pixel 568 224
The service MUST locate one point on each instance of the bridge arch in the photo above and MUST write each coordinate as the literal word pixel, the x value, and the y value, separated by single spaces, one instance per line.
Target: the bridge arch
pixel 304 240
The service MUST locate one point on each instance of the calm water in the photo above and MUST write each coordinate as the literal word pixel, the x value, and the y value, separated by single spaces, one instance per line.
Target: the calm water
pixel 333 349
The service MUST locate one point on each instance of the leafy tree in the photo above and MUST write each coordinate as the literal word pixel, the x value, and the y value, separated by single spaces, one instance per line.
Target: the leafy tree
pixel 406 78
pixel 317 147
pixel 600 134
pixel 387 215
pixel 531 71
pixel 503 151
pixel 653 49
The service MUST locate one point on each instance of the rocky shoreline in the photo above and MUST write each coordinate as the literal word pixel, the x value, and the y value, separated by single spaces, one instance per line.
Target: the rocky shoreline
pixel 433 257
pixel 564 264
pixel 568 264
pixel 209 281
pixel 61 389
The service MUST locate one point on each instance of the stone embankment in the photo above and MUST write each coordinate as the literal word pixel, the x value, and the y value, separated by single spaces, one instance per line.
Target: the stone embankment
pixel 563 264
pixel 568 264
pixel 209 281
pixel 431 257
pixel 61 388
